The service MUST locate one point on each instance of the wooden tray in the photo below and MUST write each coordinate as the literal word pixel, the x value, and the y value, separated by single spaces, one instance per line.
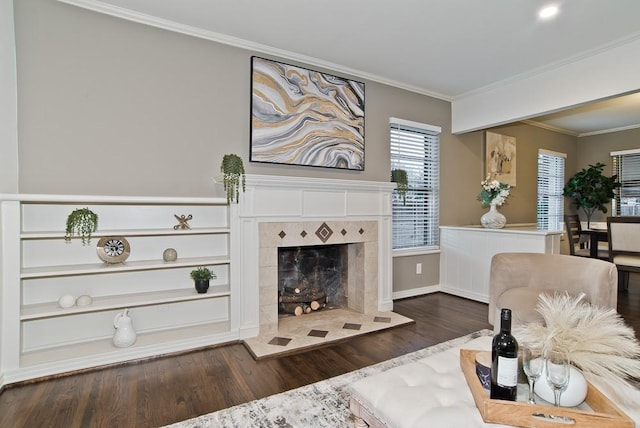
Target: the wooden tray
pixel 605 414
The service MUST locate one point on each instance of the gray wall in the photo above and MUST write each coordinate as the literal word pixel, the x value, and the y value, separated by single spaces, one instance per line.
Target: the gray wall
pixel 107 106
pixel 8 109
pixel 597 148
pixel 113 107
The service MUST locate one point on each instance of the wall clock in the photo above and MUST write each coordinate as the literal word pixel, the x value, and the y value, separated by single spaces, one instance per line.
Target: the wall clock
pixel 113 249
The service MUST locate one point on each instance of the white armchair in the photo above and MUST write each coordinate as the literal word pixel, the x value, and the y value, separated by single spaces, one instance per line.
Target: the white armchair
pixel 516 280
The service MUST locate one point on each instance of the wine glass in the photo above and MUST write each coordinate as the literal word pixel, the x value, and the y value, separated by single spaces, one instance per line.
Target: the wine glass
pixel 532 363
pixel 557 365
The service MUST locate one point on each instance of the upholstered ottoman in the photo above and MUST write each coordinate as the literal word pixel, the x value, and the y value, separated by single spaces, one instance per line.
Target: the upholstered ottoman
pixel 431 392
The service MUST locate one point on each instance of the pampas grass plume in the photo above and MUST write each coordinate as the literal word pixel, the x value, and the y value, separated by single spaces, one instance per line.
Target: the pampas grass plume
pixel 596 339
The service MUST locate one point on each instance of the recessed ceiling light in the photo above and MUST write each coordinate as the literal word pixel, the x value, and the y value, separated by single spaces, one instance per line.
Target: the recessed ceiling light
pixel 548 12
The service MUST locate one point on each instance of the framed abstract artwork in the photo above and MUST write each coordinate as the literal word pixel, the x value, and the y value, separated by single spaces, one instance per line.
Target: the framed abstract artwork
pixel 500 157
pixel 305 117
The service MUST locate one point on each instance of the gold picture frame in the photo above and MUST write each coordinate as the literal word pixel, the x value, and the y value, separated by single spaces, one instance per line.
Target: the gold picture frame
pixel 500 157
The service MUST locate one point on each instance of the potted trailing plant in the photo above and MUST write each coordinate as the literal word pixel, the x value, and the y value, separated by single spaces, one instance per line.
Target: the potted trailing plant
pixel 232 169
pixel 201 277
pixel 399 176
pixel 591 190
pixel 82 222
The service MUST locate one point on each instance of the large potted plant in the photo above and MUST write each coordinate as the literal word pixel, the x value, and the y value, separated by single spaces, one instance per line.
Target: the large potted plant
pixel 590 190
pixel 82 222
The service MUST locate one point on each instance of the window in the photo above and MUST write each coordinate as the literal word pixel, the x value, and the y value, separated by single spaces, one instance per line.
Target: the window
pixel 626 165
pixel 550 187
pixel 415 147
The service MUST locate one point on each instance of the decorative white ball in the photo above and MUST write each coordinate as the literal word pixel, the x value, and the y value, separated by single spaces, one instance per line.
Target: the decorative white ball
pixel 84 300
pixel 169 255
pixel 575 393
pixel 66 301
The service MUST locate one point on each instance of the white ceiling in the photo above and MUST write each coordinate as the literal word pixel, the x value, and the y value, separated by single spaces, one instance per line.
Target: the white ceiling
pixel 443 48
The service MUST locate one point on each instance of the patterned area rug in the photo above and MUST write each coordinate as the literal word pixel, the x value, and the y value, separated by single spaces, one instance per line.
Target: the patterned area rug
pixel 323 404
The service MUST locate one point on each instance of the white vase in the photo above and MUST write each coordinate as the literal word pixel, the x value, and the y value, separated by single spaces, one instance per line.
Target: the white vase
pixel 573 395
pixel 125 335
pixel 493 219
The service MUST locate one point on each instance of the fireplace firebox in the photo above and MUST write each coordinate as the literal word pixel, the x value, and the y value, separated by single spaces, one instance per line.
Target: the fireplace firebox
pixel 312 278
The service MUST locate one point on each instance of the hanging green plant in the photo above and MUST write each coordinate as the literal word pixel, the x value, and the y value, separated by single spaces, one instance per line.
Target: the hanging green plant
pixel 82 222
pixel 591 190
pixel 233 170
pixel 399 176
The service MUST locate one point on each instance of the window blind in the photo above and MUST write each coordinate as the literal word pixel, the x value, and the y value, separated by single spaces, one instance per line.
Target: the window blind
pixel 626 165
pixel 415 148
pixel 550 206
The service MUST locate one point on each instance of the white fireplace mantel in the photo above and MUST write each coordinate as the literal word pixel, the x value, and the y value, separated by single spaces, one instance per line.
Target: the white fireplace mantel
pixel 285 199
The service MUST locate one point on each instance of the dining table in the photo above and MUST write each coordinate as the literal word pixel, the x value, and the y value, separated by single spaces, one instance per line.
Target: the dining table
pixel 595 235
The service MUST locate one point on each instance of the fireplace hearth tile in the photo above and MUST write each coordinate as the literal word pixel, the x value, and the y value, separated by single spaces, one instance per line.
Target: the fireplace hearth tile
pixel 318 333
pixel 280 341
pixel 382 319
pixel 335 321
pixel 351 326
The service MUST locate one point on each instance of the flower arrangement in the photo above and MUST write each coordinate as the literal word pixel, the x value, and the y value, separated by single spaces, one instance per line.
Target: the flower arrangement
pixel 493 192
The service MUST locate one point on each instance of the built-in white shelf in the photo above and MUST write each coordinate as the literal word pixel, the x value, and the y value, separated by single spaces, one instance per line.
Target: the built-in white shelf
pixel 51 309
pixel 94 268
pixel 128 232
pixel 39 338
pixel 105 347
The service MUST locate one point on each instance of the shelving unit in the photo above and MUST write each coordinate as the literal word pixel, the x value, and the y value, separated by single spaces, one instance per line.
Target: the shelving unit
pixel 40 338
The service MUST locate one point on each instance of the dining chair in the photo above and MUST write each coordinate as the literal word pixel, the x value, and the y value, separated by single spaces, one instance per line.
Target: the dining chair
pixel 577 242
pixel 624 246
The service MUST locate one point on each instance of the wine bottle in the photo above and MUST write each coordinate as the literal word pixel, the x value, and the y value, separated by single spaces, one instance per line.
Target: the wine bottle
pixel 504 361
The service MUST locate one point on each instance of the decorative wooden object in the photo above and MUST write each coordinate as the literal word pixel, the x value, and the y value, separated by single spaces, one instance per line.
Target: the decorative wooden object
pixel 605 414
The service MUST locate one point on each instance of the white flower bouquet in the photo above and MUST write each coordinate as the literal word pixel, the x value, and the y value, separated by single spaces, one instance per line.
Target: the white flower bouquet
pixel 493 192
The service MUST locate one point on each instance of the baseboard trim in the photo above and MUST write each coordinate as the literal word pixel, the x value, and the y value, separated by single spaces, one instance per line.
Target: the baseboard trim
pixel 466 294
pixel 415 292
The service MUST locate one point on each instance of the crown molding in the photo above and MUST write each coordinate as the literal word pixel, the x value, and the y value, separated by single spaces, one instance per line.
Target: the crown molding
pixel 551 66
pixel 153 21
pixel 550 127
pixel 608 131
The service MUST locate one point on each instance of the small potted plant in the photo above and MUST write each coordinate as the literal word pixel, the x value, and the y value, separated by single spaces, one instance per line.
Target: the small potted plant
pixel 399 176
pixel 234 176
pixel 82 222
pixel 201 277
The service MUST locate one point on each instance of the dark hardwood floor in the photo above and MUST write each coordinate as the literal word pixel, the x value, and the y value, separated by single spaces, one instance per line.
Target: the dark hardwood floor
pixel 167 390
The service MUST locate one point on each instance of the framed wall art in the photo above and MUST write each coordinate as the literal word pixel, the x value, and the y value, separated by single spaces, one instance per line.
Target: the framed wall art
pixel 500 157
pixel 305 117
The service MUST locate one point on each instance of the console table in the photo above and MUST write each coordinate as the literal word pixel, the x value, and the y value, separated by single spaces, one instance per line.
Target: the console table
pixel 466 252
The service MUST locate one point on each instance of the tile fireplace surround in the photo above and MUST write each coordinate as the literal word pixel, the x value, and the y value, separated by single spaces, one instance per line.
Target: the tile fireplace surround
pixel 295 211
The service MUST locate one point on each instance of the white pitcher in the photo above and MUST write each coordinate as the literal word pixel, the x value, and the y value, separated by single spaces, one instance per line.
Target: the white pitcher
pixel 125 334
